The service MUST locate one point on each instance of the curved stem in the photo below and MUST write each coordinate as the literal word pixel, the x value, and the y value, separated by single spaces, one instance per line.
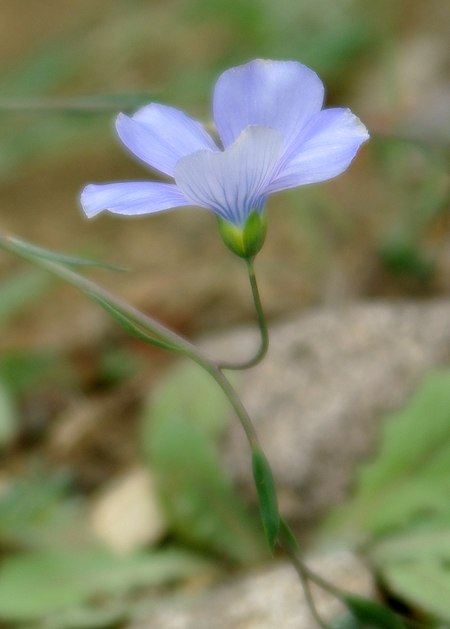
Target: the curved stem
pixel 321 582
pixel 289 543
pixel 262 324
pixel 232 397
pixel 310 600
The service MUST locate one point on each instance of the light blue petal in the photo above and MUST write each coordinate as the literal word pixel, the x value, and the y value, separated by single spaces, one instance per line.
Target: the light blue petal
pixel 160 135
pixel 324 150
pixel 131 198
pixel 232 183
pixel 278 94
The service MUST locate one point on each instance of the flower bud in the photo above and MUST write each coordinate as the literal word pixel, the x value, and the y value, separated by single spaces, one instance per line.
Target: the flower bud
pixel 245 240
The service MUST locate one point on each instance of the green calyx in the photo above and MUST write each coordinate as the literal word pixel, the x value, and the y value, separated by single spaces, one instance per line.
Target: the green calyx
pixel 246 240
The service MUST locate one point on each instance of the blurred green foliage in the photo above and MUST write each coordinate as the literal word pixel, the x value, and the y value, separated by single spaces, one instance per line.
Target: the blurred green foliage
pixel 60 99
pixel 418 181
pixel 400 510
pixel 22 371
pixel 56 105
pixel 182 428
pixel 19 291
pixel 333 38
pixel 39 512
pixel 69 588
pixel 50 586
pixel 8 418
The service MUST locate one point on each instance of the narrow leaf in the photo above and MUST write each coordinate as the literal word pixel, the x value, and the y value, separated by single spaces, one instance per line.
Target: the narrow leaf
pixel 415 565
pixel 424 583
pixel 287 535
pixel 21 246
pixel 41 583
pixel 136 321
pixel 346 621
pixel 8 417
pixel 371 613
pixel 114 615
pixel 268 503
pixel 411 474
pixel 129 326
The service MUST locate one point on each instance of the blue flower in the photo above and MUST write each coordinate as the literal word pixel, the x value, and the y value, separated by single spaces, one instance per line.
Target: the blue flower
pixel 274 136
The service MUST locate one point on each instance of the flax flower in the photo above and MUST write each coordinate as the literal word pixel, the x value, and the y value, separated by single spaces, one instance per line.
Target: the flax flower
pixel 273 132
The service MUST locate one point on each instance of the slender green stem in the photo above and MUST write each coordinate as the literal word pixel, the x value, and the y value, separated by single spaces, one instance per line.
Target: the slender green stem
pixel 321 582
pixel 289 543
pixel 262 325
pixel 286 538
pixel 232 397
pixel 310 600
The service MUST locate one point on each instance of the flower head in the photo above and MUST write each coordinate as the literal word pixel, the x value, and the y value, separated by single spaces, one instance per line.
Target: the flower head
pixel 274 134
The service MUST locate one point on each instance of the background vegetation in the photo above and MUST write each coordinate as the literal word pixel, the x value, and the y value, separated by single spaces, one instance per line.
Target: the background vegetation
pixel 73 389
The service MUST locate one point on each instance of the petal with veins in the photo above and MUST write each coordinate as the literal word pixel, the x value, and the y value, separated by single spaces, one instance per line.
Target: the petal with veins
pixel 278 94
pixel 324 150
pixel 160 135
pixel 232 183
pixel 131 198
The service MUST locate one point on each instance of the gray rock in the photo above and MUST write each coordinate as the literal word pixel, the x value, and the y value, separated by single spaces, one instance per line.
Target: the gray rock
pixel 272 599
pixel 318 397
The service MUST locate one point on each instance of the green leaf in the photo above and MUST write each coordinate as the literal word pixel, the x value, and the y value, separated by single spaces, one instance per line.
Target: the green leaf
pixel 33 251
pixel 401 503
pixel 181 428
pixel 8 417
pixel 114 615
pixel 37 512
pixel 371 614
pixel 267 494
pixel 37 584
pixel 411 474
pixel 425 539
pixel 285 532
pixel 128 325
pixel 346 621
pixel 424 583
pixel 134 321
pixel 415 565
pixel 22 370
pixel 189 393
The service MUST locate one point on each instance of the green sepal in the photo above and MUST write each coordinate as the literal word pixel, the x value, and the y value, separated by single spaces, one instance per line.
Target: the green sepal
pixel 267 495
pixel 246 240
pixel 371 613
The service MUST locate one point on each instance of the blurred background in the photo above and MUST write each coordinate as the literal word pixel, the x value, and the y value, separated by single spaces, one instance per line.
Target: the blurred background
pixel 68 376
